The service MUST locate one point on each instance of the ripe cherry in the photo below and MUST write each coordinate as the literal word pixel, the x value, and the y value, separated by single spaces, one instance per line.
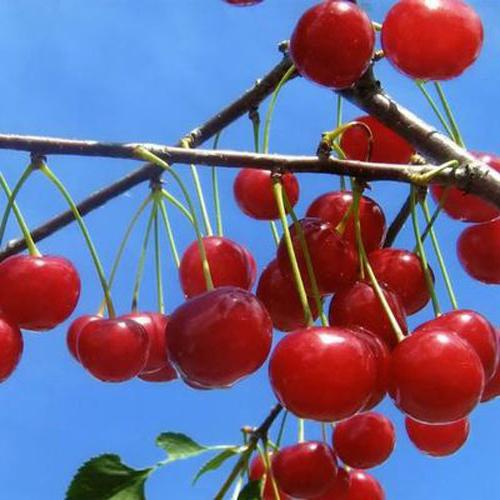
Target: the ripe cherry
pixel 257 471
pixel 450 37
pixel 438 440
pixel 279 294
pixel 478 250
pixel 475 329
pixel 243 3
pixel 324 374
pixel 436 377
pixel 359 306
pixel 467 207
pixel 229 266
pixel 113 350
pixel 386 145
pixel 364 441
pixel 164 374
pixel 363 486
pixel 11 347
pixel 333 206
pixel 253 191
pixel 402 271
pixel 334 262
pixel 332 44
pixel 220 337
pixel 38 292
pixel 305 470
pixel 339 490
pixel 74 331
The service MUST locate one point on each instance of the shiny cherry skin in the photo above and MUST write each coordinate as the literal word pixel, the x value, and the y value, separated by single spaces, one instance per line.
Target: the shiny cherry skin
pixel 359 306
pixel 464 206
pixel 253 191
pixel 334 262
pixel 402 271
pixel 74 331
pixel 339 490
pixel 438 440
pixel 228 261
pixel 450 27
pixel 305 470
pixel 492 387
pixel 332 44
pixel 258 470
pixel 11 347
pixel 478 249
pixel 386 145
pixel 38 292
pixel 165 374
pixel 155 325
pixel 364 441
pixel 243 3
pixel 281 299
pixel 113 350
pixel 322 373
pixel 252 266
pixel 333 206
pixel 220 337
pixel 475 329
pixel 363 486
pixel 436 377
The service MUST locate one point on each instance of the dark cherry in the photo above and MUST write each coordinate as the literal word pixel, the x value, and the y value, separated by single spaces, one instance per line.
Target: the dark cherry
pixel 38 292
pixel 335 263
pixel 436 377
pixel 279 294
pixel 475 329
pixel 74 331
pixel 333 206
pixel 438 440
pixel 253 191
pixel 165 374
pixel 468 207
pixel 339 490
pixel 305 470
pixel 402 271
pixel 386 145
pixel 478 250
pixel 257 471
pixel 11 347
pixel 450 27
pixel 359 306
pixel 229 266
pixel 363 486
pixel 492 387
pixel 332 44
pixel 220 337
pixel 364 441
pixel 113 350
pixel 324 374
pixel 243 3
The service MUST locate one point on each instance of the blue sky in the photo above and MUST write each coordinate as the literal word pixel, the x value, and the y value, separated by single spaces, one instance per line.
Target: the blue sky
pixel 151 71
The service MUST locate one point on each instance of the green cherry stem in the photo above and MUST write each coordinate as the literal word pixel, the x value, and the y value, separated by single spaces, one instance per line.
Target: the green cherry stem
pixel 159 278
pixel 32 249
pixel 170 233
pixel 215 191
pixel 201 200
pixel 177 204
pixel 340 106
pixel 267 463
pixel 301 430
pixel 281 430
pixel 44 168
pixel 457 136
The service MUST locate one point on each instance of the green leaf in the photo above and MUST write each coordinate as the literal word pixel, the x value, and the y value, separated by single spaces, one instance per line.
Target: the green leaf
pixel 251 491
pixel 215 462
pixel 179 446
pixel 106 478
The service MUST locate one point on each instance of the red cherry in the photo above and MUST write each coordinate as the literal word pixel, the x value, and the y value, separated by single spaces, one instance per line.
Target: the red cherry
pixel 305 470
pixel 252 266
pixel 243 3
pixel 332 44
pixel 492 387
pixel 364 441
pixel 165 374
pixel 468 207
pixel 363 486
pixel 403 273
pixel 438 440
pixel 332 207
pixel 324 374
pixel 436 377
pixel 478 250
pixel 340 488
pixel 386 145
pixel 228 261
pixel 281 299
pixel 113 350
pixel 359 306
pixel 74 331
pixel 11 348
pixel 253 190
pixel 38 293
pixel 334 262
pixel 475 329
pixel 220 337
pixel 451 28
pixel 257 471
